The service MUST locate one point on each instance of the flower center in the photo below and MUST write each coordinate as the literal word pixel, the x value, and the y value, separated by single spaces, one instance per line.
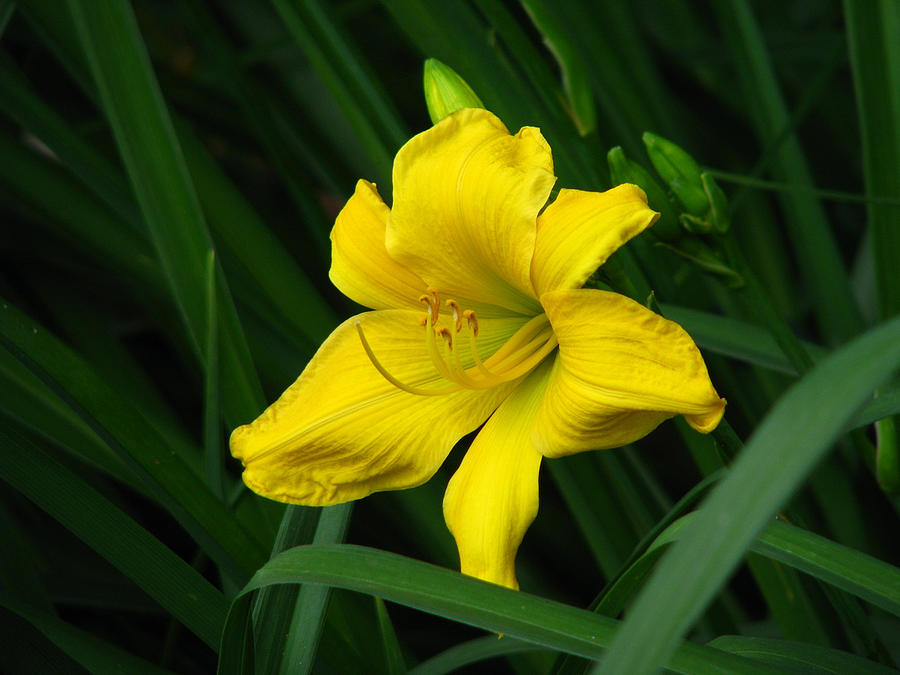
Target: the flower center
pixel 527 347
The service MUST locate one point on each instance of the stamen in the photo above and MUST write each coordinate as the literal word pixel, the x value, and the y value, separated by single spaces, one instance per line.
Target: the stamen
pixel 433 299
pixel 393 380
pixel 448 338
pixel 454 306
pixel 472 320
pixel 433 352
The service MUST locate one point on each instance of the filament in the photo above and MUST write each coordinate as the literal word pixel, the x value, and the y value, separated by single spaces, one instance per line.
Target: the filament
pixel 520 354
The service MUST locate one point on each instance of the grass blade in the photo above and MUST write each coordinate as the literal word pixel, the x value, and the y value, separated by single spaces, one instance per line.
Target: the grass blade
pixel 873 39
pixel 309 612
pixel 356 91
pixel 173 583
pixel 213 460
pixel 474 651
pixel 817 253
pixel 784 448
pixel 454 596
pixel 154 162
pixel 394 663
pixel 127 432
pixel 806 658
pixel 94 654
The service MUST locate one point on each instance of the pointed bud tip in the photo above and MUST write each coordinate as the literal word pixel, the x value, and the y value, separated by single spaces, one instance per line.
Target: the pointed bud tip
pixel 445 91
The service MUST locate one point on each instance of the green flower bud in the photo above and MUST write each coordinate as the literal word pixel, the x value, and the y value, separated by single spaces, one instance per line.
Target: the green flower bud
pixel 446 92
pixel 623 170
pixel 718 203
pixel 705 205
pixel 679 170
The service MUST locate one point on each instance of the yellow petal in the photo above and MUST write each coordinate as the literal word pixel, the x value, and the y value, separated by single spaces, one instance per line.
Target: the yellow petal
pixel 493 496
pixel 342 431
pixel 466 199
pixel 580 230
pixel 360 265
pixel 620 371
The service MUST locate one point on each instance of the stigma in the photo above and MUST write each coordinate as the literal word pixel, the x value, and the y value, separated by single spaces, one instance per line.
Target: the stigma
pixel 452 347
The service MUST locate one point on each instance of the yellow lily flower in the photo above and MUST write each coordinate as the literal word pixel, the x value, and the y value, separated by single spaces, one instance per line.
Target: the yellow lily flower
pixel 479 318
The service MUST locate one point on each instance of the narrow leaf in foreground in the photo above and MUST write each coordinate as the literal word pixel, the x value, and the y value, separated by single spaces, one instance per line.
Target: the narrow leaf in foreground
pixel 454 596
pixel 784 449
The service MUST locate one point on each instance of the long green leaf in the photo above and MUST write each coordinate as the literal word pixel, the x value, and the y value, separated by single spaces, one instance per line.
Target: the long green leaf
pixel 817 253
pixel 91 652
pixel 782 451
pixel 873 39
pixel 806 658
pixel 480 649
pixel 853 571
pixel 357 92
pixel 127 432
pixel 19 101
pixel 454 596
pixel 309 612
pixel 155 165
pixel 19 566
pixel 173 583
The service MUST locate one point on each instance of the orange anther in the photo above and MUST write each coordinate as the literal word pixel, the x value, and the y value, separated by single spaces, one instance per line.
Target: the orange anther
pixel 444 333
pixel 472 320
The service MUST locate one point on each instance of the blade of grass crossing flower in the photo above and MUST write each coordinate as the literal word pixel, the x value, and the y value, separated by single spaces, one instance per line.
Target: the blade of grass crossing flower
pixel 394 663
pixel 456 658
pixel 817 254
pixel 179 588
pixel 92 653
pixel 782 451
pixel 804 657
pixel 137 442
pixel 449 594
pixel 153 159
pixel 873 31
pixel 309 612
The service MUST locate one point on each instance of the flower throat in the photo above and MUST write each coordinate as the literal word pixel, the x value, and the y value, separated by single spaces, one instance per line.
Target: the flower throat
pixel 516 357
